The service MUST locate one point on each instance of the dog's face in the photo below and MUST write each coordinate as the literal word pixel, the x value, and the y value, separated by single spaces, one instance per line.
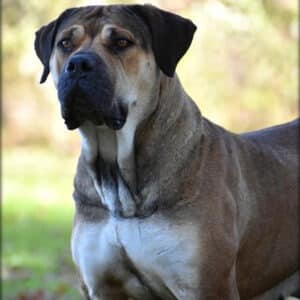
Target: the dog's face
pixel 105 60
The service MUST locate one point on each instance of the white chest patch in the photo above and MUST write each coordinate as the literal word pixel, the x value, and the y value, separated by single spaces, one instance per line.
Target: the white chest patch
pixel 144 254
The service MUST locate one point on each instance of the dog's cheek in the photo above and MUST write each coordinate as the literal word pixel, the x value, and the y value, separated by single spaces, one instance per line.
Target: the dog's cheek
pixel 132 62
pixel 147 75
pixel 142 76
pixel 56 65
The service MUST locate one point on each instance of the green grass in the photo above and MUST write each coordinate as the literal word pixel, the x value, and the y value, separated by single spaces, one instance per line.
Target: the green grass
pixel 37 218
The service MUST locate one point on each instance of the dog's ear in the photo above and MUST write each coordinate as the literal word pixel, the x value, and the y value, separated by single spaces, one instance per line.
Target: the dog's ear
pixel 44 41
pixel 171 35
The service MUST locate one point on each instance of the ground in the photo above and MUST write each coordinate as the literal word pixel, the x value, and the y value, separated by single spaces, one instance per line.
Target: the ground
pixel 37 214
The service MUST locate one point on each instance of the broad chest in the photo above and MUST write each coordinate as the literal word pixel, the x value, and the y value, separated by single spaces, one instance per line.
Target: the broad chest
pixel 162 255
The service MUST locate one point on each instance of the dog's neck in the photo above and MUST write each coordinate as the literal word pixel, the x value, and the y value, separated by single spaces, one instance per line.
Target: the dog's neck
pixel 165 144
pixel 138 163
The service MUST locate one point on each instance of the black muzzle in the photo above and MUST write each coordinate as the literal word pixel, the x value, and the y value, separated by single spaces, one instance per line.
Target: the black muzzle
pixel 86 92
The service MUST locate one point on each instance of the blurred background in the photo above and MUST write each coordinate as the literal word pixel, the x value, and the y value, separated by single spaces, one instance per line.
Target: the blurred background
pixel 242 69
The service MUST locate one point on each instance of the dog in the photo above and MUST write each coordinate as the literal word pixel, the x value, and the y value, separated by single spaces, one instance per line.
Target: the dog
pixel 168 204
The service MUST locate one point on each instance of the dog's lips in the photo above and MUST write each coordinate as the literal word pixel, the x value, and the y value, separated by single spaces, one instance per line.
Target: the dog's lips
pixel 71 122
pixel 71 125
pixel 118 124
pixel 77 111
pixel 77 108
pixel 74 123
pixel 75 117
pixel 115 123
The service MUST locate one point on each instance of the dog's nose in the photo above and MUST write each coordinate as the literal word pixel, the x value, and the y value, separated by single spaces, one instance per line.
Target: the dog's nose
pixel 79 64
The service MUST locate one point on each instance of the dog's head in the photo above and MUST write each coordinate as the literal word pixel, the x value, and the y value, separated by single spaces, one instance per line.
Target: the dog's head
pixel 106 59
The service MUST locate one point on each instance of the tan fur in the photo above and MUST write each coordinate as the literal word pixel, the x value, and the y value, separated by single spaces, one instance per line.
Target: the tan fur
pixel 222 210
pixel 132 61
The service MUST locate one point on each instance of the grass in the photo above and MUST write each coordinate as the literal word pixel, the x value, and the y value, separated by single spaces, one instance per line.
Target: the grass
pixel 37 213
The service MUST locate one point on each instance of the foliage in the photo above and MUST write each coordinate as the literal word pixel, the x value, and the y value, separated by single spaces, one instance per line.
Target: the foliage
pixel 37 221
pixel 241 69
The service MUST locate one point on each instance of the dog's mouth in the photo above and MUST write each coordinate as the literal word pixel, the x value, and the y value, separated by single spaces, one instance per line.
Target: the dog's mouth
pixel 77 110
pixel 113 123
pixel 80 111
pixel 79 104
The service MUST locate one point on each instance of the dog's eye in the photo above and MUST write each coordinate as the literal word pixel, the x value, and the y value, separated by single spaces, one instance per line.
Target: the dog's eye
pixel 65 44
pixel 122 43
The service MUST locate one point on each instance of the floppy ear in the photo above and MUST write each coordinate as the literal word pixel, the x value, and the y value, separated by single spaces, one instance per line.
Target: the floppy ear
pixel 44 41
pixel 171 35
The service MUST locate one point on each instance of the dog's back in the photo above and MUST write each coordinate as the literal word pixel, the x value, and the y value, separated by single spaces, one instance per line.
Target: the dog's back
pixel 271 235
pixel 284 136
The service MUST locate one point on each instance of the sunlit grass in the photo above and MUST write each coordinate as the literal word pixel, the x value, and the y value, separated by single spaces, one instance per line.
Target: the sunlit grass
pixel 37 220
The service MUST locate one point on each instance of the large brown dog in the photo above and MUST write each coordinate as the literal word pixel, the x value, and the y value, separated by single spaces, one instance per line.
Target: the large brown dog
pixel 168 204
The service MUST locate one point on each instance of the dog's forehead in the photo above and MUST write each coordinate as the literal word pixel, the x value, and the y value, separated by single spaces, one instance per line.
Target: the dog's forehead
pixel 93 19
